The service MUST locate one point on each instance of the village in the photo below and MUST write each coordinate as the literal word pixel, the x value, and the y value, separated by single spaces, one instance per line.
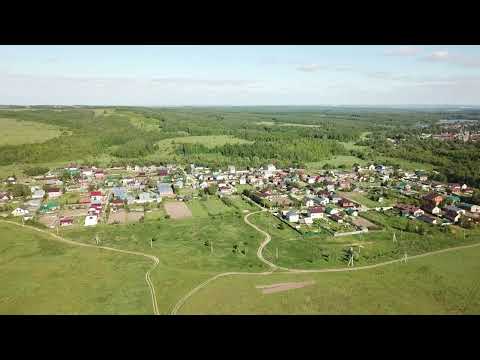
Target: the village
pixel 335 202
pixel 455 130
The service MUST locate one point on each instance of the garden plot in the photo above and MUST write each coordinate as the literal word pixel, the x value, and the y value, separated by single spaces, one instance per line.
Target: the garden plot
pixel 123 217
pixel 177 210
pixel 361 222
pixel 49 220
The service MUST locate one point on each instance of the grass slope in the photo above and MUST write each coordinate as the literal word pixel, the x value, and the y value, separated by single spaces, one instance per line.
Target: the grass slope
pixel 446 283
pixel 41 276
pixel 15 132
pixel 185 259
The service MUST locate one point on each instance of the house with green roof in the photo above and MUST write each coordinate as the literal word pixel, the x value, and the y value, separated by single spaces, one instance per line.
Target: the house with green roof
pixel 49 206
pixel 454 199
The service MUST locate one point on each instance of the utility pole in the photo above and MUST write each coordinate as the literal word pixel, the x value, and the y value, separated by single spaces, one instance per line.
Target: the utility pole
pixel 405 257
pixel 276 252
pixel 151 242
pixel 350 261
pixel 211 247
pixel 394 238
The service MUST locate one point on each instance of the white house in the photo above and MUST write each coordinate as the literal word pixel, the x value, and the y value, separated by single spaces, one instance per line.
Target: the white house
pixel 331 211
pixel 243 180
pixel 54 192
pixel 336 199
pixel 270 167
pixel 323 200
pixel 308 220
pixel 87 173
pixel 19 212
pixel 316 213
pixel 309 203
pixel 292 216
pixel 475 209
pixel 28 217
pixel 91 220
pixel 96 197
pixel 231 169
pixel 38 194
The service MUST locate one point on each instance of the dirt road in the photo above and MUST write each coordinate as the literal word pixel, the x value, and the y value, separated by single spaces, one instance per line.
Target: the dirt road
pixel 274 267
pixel 70 242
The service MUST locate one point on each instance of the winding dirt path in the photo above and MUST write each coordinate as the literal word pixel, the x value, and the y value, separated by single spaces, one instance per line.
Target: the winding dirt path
pixel 274 267
pixel 70 242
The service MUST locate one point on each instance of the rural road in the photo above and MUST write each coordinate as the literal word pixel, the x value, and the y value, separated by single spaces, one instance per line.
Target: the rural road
pixel 70 242
pixel 274 267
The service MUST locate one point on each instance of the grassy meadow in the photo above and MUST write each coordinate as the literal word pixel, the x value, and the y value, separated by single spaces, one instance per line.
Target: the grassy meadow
pixel 15 132
pixel 447 283
pixel 39 275
pixel 184 248
pixel 340 160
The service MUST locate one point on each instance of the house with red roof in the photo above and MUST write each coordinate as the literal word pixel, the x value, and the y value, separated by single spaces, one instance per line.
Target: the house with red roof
pixel 433 198
pixel 316 212
pixel 345 203
pixel 99 174
pixel 66 221
pixel 54 192
pixel 96 197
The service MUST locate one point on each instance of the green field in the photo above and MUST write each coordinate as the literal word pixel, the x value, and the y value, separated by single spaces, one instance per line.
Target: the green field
pixel 362 199
pixel 213 206
pixel 166 147
pixel 69 198
pixel 155 214
pixel 41 276
pixel 15 132
pixel 209 141
pixel 185 258
pixel 404 164
pixel 336 161
pixel 447 283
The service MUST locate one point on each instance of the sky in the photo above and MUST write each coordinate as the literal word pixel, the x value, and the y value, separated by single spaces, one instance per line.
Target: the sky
pixel 239 75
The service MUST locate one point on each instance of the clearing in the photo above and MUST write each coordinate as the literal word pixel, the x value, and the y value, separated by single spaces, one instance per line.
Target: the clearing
pixel 346 161
pixel 16 132
pixel 362 199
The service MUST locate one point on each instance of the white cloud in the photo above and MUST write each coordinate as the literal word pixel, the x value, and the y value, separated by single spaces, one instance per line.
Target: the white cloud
pixel 203 82
pixel 439 55
pixel 120 90
pixel 455 59
pixel 309 67
pixel 404 50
